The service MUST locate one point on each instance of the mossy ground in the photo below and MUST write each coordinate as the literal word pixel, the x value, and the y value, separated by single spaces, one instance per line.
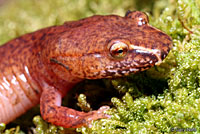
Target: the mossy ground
pixel 164 99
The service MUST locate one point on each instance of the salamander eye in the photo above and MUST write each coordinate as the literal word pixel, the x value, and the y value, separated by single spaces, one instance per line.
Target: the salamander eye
pixel 118 49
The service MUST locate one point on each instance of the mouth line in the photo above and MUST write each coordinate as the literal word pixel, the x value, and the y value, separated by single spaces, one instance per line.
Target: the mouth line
pixel 143 50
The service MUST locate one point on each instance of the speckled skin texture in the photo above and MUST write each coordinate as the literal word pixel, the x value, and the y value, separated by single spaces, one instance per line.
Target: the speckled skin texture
pixel 42 66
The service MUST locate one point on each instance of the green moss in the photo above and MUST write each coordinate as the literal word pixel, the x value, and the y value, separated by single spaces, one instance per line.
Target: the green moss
pixel 44 128
pixel 154 101
pixel 11 130
pixel 2 127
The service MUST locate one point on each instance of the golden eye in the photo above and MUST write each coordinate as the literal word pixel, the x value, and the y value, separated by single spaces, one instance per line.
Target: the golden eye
pixel 118 49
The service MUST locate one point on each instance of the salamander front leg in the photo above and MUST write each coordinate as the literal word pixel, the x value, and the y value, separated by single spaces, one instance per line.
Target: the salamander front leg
pixel 52 111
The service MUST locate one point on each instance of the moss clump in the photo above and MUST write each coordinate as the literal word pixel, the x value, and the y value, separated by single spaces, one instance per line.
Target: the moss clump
pixel 11 130
pixel 44 128
pixel 161 100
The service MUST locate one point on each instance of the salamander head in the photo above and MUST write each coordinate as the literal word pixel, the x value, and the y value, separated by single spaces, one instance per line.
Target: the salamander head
pixel 112 46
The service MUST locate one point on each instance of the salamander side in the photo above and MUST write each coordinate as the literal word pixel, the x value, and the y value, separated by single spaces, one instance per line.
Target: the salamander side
pixel 18 90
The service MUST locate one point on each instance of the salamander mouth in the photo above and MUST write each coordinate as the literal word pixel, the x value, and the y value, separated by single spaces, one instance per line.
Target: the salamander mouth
pixel 146 56
pixel 124 72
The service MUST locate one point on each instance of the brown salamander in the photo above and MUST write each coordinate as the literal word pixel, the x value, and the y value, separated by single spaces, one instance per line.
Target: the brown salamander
pixel 41 67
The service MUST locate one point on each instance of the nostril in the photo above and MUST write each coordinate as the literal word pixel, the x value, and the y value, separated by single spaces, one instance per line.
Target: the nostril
pixel 163 54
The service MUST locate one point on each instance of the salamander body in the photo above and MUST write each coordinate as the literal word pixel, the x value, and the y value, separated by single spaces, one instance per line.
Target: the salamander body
pixel 41 67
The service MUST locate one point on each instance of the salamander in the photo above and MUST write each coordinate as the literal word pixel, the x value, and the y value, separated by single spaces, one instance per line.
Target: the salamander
pixel 42 66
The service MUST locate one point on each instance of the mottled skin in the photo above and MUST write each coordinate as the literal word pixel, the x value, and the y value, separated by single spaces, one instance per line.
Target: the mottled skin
pixel 44 65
